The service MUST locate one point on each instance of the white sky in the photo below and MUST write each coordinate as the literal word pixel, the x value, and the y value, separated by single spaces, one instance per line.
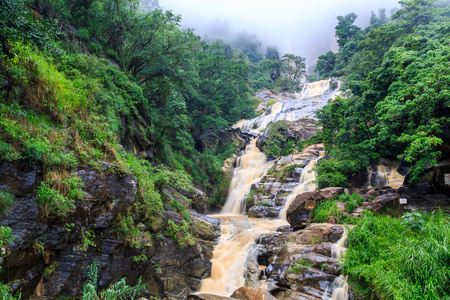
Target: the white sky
pixel 303 27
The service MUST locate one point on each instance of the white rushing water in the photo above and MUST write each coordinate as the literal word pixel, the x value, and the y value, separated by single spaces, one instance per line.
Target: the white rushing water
pixel 313 97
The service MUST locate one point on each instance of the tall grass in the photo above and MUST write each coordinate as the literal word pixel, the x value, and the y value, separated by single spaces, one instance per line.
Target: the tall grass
pixel 388 260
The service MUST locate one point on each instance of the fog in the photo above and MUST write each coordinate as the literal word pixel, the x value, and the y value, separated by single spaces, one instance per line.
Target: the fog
pixel 301 27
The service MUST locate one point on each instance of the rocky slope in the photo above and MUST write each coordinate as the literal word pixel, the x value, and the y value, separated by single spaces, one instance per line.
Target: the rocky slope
pixel 49 258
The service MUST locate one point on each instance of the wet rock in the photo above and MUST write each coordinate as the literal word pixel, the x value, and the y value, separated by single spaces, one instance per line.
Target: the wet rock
pixel 298 213
pixel 211 139
pixel 313 234
pixel 311 281
pixel 324 249
pixel 20 177
pixel 333 235
pixel 286 228
pixel 261 211
pixel 207 297
pixel 248 293
pixel 381 202
pixel 287 294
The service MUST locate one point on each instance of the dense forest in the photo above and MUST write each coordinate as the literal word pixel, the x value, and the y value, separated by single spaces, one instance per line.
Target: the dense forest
pixel 396 73
pixel 124 89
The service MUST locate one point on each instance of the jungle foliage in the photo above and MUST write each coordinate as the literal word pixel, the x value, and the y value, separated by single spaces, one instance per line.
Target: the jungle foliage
pixel 397 77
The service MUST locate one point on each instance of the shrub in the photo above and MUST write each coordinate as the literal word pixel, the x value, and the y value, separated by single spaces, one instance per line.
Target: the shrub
pixel 270 102
pixel 118 290
pixel 6 200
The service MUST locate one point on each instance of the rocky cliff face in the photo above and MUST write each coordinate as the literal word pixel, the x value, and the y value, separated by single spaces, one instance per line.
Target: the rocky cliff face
pixel 49 258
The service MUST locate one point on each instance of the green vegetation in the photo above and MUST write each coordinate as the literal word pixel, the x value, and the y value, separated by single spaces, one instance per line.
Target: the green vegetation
pixel 296 268
pixel 403 258
pixel 397 73
pixel 329 208
pixel 6 200
pixel 277 144
pixel 119 290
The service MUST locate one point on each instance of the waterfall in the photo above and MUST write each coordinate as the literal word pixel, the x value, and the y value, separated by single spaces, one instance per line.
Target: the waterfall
pixel 305 184
pixel 250 168
pixel 385 173
pixel 229 262
pixel 340 286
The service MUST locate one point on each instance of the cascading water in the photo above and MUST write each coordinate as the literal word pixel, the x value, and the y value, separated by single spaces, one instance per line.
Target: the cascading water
pixel 230 255
pixel 305 184
pixel 385 173
pixel 250 168
pixel 239 232
pixel 340 290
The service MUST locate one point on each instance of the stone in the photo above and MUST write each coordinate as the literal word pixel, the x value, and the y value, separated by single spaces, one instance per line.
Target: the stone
pixel 385 200
pixel 247 293
pixel 207 297
pixel 20 177
pixel 261 211
pixel 211 139
pixel 298 213
pixel 333 235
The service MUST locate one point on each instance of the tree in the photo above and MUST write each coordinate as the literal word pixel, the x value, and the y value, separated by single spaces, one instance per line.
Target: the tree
pixel 272 53
pixel 249 44
pixel 325 64
pixel 379 21
pixel 293 66
pixel 345 29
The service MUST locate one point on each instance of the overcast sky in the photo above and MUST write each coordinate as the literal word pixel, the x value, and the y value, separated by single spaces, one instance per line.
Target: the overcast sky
pixel 302 27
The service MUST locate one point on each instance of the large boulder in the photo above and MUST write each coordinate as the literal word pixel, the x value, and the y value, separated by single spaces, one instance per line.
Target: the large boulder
pixel 298 213
pixel 380 203
pixel 248 293
pixel 261 211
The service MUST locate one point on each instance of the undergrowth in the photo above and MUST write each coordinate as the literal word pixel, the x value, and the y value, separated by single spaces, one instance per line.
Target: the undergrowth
pixel 406 258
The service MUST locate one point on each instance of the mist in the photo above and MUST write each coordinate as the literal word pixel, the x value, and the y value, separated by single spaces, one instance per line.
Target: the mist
pixel 301 27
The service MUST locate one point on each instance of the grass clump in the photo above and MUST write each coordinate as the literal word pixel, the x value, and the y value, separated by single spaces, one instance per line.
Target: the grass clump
pixel 6 200
pixel 297 267
pixel 390 258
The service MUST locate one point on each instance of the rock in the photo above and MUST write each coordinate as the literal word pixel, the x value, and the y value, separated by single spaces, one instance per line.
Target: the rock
pixel 381 202
pixel 415 190
pixel 211 139
pixel 324 249
pixel 286 294
pixel 313 234
pixel 371 194
pixel 247 293
pixel 207 297
pixel 261 211
pixel 301 129
pixel 298 213
pixel 333 235
pixel 20 177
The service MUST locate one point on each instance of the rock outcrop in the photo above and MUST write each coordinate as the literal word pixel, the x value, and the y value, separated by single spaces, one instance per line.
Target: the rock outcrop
pixel 298 265
pixel 49 257
pixel 212 139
